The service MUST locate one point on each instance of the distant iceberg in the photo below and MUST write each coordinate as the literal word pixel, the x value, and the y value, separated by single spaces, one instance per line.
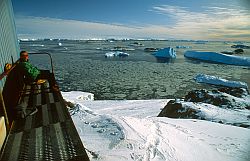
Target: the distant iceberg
pixel 165 53
pixel 203 78
pixel 183 47
pixel 116 53
pixel 136 44
pixel 218 58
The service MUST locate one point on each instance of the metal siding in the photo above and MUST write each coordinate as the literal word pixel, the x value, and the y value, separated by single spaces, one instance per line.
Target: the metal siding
pixel 8 39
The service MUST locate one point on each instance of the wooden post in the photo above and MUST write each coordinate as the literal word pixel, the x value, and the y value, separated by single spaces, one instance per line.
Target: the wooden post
pixel 3 111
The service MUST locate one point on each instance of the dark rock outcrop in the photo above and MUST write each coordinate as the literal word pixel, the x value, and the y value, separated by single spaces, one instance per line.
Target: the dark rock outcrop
pixel 238 51
pixel 174 109
pixel 240 46
pixel 214 98
pixel 237 92
pixel 212 106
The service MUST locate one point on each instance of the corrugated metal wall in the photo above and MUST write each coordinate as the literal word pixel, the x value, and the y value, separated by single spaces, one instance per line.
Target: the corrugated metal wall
pixel 8 39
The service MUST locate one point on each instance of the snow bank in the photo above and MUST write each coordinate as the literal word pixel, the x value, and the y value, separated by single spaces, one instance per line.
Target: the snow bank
pixel 75 96
pixel 218 58
pixel 129 130
pixel 166 53
pixel 203 78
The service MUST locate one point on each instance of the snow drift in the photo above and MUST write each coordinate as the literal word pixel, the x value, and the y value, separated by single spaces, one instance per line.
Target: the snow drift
pixel 130 130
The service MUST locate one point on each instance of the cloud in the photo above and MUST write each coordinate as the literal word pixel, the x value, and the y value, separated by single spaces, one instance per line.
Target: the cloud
pixel 213 23
pixel 39 27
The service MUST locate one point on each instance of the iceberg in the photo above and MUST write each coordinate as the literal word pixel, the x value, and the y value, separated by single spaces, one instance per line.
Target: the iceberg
pixel 183 47
pixel 165 53
pixel 203 78
pixel 116 53
pixel 218 58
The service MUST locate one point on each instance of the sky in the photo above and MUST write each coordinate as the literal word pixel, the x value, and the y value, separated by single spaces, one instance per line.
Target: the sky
pixel 137 19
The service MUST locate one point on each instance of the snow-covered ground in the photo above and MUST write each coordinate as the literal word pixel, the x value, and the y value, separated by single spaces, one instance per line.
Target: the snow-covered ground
pixel 130 130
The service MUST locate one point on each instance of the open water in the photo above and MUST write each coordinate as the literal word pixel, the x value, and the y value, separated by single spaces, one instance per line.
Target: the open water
pixel 80 65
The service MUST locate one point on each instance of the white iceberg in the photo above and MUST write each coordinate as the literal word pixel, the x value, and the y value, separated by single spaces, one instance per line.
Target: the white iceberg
pixel 116 53
pixel 203 78
pixel 166 53
pixel 218 58
pixel 183 47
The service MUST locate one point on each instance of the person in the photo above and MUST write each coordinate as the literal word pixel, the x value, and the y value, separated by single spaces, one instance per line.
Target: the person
pixel 32 73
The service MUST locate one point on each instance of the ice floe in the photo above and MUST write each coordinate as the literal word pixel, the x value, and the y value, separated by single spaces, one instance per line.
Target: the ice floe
pixel 203 78
pixel 116 53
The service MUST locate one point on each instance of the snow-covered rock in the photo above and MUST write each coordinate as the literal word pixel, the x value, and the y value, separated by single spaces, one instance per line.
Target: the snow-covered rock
pixel 218 58
pixel 204 111
pixel 165 53
pixel 75 96
pixel 238 100
pixel 116 53
pixel 203 78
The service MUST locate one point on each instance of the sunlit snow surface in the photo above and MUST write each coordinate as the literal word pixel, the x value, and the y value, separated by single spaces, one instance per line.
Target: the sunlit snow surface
pixel 130 130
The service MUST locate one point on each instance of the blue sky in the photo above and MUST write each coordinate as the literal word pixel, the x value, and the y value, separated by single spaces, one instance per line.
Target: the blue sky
pixel 159 19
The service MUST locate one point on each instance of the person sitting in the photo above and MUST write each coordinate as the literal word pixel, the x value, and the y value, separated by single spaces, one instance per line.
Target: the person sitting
pixel 32 73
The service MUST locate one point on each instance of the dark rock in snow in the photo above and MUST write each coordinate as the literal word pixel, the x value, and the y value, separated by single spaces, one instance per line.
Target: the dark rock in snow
pixel 214 98
pixel 175 110
pixel 237 92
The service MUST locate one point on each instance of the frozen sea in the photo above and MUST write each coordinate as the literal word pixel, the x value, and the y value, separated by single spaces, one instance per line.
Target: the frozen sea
pixel 80 65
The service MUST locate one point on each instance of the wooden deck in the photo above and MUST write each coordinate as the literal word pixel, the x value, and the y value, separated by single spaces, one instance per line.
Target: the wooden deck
pixel 48 134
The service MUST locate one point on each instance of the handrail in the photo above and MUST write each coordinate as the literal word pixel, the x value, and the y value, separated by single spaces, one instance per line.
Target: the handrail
pixel 7 72
pixel 51 63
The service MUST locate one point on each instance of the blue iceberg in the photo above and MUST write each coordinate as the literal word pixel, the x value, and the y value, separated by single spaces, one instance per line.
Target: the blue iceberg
pixel 165 53
pixel 218 58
